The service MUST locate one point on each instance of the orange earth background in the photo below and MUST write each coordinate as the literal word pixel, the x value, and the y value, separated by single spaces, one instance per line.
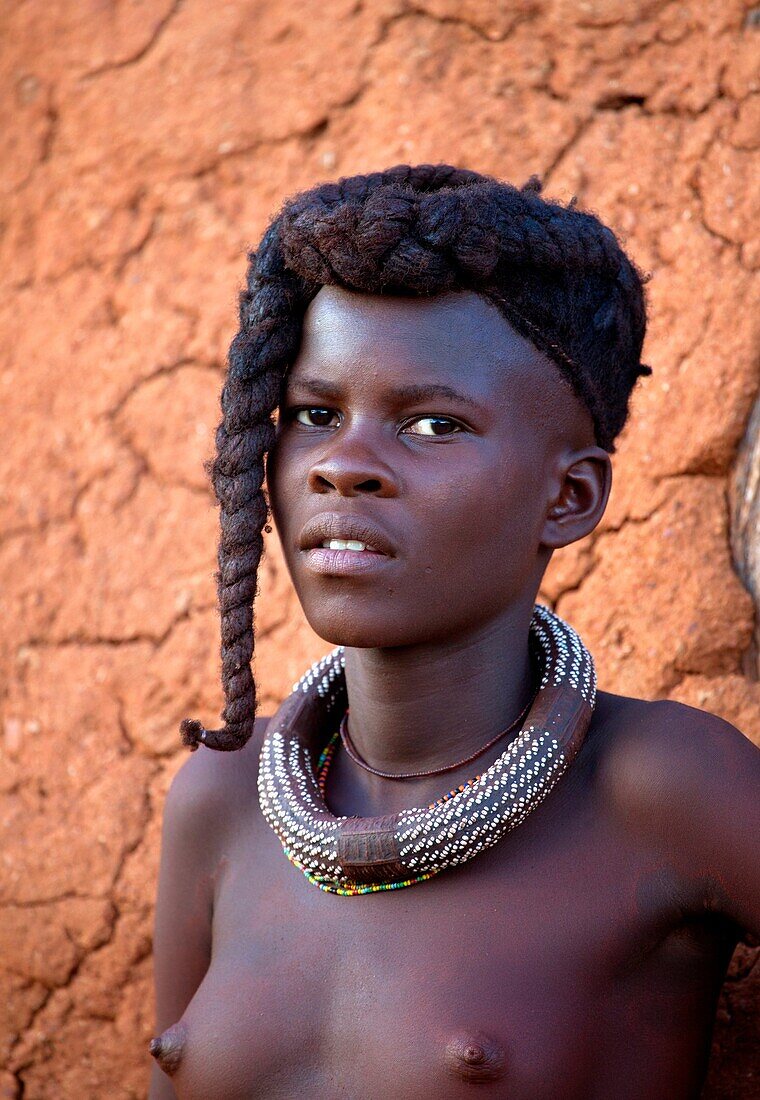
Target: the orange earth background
pixel 144 146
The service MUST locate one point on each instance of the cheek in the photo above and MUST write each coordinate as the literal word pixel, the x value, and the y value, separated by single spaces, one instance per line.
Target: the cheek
pixel 485 507
pixel 284 478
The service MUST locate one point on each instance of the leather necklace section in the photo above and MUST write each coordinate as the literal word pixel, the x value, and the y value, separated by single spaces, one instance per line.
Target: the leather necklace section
pixel 354 855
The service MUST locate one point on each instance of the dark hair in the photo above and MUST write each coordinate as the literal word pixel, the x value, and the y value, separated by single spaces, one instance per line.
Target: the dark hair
pixel 557 274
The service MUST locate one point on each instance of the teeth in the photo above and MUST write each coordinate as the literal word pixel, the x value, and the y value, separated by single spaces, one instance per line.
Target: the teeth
pixel 343 544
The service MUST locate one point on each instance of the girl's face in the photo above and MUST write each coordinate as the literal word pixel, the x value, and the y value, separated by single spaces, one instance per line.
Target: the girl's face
pixel 431 441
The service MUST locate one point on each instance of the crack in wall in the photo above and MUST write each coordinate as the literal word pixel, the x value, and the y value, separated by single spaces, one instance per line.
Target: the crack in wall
pixel 18 1063
pixel 139 55
pixel 744 511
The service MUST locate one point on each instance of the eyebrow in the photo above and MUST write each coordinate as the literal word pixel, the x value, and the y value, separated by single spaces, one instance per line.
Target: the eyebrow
pixel 411 394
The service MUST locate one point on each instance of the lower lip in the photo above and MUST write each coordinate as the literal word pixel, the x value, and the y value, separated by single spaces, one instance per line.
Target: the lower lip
pixel 344 563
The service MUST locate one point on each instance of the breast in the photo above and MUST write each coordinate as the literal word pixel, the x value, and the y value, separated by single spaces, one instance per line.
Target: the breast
pixel 246 1034
pixel 305 1029
pixel 209 1061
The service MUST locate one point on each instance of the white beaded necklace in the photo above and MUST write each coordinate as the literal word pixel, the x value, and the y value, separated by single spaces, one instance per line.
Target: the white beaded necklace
pixel 352 855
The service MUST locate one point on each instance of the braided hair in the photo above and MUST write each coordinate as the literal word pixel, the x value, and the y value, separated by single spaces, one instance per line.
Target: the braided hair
pixel 557 274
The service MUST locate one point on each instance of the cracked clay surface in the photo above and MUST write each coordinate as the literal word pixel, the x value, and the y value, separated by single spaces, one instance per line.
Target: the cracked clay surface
pixel 144 145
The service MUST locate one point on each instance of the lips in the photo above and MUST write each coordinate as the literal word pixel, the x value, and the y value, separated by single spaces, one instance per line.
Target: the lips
pixel 323 529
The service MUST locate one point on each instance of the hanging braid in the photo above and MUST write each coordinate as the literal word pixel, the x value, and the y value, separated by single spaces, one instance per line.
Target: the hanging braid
pixel 557 274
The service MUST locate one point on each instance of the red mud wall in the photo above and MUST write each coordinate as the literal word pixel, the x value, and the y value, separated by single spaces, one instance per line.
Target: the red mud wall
pixel 143 145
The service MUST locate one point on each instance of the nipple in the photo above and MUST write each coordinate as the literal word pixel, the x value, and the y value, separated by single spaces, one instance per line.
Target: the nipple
pixel 476 1058
pixel 168 1047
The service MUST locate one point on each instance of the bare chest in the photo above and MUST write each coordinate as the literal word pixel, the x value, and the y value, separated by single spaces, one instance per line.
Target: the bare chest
pixel 506 975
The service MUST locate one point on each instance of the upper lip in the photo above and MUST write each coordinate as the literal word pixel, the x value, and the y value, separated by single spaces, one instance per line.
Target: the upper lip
pixel 334 525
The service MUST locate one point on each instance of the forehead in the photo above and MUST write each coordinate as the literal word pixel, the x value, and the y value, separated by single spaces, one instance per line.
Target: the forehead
pixel 369 344
pixel 457 335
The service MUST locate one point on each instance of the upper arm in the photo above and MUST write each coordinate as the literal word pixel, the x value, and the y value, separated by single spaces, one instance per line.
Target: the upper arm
pixel 184 904
pixel 690 782
pixel 207 793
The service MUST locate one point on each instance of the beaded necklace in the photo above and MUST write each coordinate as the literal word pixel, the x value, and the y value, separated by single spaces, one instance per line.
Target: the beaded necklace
pixel 351 855
pixel 349 891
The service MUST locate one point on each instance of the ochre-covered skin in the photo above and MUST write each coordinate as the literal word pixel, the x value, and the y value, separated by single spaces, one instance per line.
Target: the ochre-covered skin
pixel 586 955
pixel 581 956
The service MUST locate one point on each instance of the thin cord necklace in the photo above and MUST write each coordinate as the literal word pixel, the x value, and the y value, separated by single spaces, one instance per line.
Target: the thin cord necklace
pixel 351 750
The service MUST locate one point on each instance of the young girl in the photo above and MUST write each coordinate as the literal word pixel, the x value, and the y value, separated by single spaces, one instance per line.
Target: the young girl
pixel 448 865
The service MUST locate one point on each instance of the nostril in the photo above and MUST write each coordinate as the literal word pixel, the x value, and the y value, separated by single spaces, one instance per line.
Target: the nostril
pixel 371 485
pixel 346 482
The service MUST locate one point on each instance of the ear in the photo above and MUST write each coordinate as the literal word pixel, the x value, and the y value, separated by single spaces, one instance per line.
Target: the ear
pixel 584 480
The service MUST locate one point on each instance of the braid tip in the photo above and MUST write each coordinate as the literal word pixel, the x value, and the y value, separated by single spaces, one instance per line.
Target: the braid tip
pixel 192 733
pixel 534 183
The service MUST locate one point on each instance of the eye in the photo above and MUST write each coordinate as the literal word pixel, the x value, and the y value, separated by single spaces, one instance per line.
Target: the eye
pixel 315 417
pixel 432 425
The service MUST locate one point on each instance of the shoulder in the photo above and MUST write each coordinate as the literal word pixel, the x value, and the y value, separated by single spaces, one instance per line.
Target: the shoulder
pixel 212 789
pixel 653 751
pixel 686 783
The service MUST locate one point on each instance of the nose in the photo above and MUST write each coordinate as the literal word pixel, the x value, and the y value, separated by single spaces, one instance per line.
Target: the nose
pixel 351 467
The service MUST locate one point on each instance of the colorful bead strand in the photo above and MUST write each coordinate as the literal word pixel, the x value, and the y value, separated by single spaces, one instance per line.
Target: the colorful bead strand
pixel 323 766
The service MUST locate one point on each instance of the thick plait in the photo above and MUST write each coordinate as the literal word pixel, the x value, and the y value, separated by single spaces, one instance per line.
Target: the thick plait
pixel 271 310
pixel 557 273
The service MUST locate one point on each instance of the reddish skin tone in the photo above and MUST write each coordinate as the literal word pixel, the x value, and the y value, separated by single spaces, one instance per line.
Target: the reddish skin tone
pixel 581 956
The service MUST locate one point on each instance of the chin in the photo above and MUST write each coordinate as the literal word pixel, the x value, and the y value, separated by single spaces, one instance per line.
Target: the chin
pixel 374 627
pixel 348 627
pixel 354 635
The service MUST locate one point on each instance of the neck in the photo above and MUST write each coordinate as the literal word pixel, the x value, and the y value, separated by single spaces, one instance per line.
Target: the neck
pixel 416 708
